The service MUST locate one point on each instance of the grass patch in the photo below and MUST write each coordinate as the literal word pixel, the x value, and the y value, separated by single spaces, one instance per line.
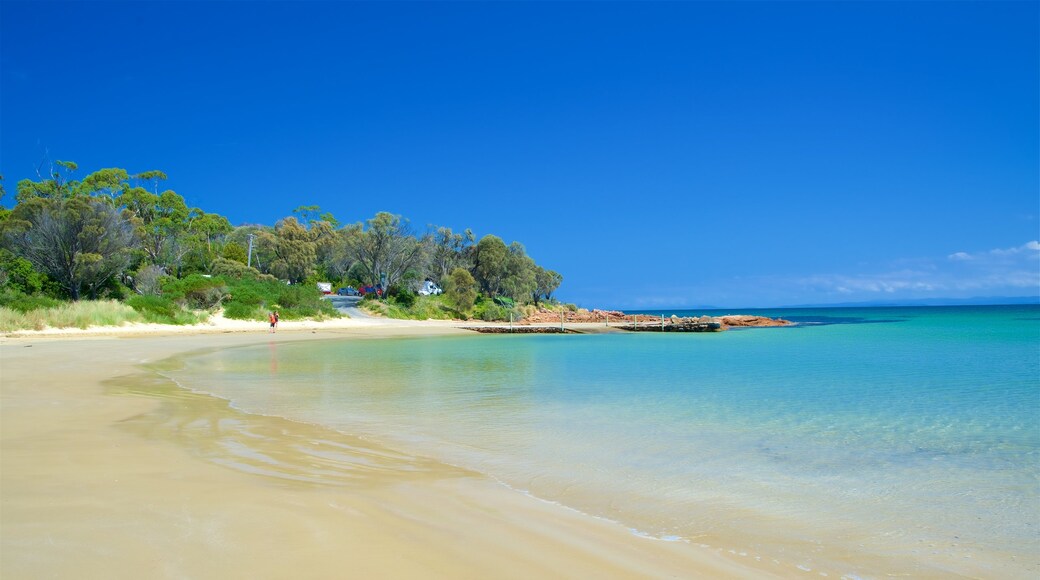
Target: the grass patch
pixel 412 308
pixel 162 310
pixel 82 314
pixel 253 299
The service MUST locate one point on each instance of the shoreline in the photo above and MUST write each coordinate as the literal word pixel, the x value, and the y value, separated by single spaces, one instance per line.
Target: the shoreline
pixel 92 476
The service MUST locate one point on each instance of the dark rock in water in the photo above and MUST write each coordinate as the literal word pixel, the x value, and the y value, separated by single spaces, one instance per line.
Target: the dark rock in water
pixel 675 325
pixel 519 330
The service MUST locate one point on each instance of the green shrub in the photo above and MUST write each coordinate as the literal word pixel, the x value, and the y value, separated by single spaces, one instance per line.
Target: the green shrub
pixel 250 299
pixel 233 270
pixel 18 274
pixel 21 302
pixel 195 291
pixel 403 297
pixel 492 311
pixel 154 306
pixel 243 311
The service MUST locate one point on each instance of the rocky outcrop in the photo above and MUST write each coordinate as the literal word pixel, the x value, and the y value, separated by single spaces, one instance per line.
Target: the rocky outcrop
pixel 650 321
pixel 743 320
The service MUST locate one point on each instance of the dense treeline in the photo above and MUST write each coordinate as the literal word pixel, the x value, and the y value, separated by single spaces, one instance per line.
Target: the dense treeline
pixel 122 236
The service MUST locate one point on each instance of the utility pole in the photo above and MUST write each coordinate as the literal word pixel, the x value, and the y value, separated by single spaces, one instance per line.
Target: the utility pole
pixel 249 257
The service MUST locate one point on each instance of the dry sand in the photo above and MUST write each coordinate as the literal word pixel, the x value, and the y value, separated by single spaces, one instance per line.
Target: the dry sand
pixel 108 471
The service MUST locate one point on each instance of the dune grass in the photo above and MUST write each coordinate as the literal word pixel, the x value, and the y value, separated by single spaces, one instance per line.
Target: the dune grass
pixel 88 313
pixel 82 314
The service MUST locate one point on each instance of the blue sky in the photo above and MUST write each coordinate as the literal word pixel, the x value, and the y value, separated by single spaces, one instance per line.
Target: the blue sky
pixel 656 154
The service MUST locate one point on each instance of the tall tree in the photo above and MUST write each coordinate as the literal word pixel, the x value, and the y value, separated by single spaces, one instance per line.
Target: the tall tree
pixel 162 223
pixel 450 251
pixel 519 282
pixel 152 177
pixel 295 250
pixel 58 183
pixel 546 282
pixel 461 290
pixel 205 237
pixel 110 182
pixel 385 245
pixel 79 242
pixel 491 264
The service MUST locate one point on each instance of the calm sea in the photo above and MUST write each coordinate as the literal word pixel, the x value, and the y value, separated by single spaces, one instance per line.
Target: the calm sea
pixel 862 442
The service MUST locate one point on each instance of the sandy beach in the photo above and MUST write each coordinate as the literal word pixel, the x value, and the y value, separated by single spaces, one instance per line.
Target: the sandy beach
pixel 108 470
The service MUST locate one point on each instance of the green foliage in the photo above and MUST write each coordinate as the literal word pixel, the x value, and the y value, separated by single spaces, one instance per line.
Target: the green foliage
pixel 162 310
pixel 160 223
pixel 385 245
pixel 81 314
pixel 87 236
pixel 20 301
pixel 109 182
pixel 402 296
pixel 235 252
pixel 424 308
pixel 18 274
pixel 196 291
pixel 460 290
pixel 253 298
pixel 243 311
pixel 155 306
pixel 80 242
pixel 546 282
pixel 232 269
pixel 491 264
pixel 489 311
pixel 295 250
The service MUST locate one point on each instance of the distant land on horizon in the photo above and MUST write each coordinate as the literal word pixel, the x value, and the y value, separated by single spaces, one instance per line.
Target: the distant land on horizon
pixel 974 301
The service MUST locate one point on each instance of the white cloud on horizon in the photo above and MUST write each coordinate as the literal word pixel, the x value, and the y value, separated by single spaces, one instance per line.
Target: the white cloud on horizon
pixel 1028 248
pixel 1000 270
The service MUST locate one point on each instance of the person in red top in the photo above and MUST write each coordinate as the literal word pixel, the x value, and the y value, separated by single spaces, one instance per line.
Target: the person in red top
pixel 273 319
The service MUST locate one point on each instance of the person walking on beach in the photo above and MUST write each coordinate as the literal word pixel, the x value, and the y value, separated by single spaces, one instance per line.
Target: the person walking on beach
pixel 273 319
pixel 277 319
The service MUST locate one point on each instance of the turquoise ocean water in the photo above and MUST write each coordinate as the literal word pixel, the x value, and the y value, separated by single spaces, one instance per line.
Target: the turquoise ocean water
pixel 862 442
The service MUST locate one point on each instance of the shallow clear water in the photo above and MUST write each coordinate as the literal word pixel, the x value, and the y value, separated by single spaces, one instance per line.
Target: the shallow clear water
pixel 902 435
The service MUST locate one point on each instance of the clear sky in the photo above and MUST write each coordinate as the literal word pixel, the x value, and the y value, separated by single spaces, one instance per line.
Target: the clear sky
pixel 656 154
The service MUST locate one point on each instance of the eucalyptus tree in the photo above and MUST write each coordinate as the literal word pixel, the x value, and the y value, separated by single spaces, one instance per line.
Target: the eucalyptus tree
pixel 80 242
pixel 57 184
pixel 206 234
pixel 461 290
pixel 294 250
pixel 263 245
pixel 153 177
pixel 491 264
pixel 450 251
pixel 519 282
pixel 326 245
pixel 109 183
pixel 546 282
pixel 162 222
pixel 385 245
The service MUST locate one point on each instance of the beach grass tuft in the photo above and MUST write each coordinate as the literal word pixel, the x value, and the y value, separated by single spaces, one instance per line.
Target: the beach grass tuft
pixel 82 314
pixel 411 308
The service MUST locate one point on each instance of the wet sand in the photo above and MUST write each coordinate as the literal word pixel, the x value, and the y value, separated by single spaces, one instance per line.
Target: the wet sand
pixel 107 470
